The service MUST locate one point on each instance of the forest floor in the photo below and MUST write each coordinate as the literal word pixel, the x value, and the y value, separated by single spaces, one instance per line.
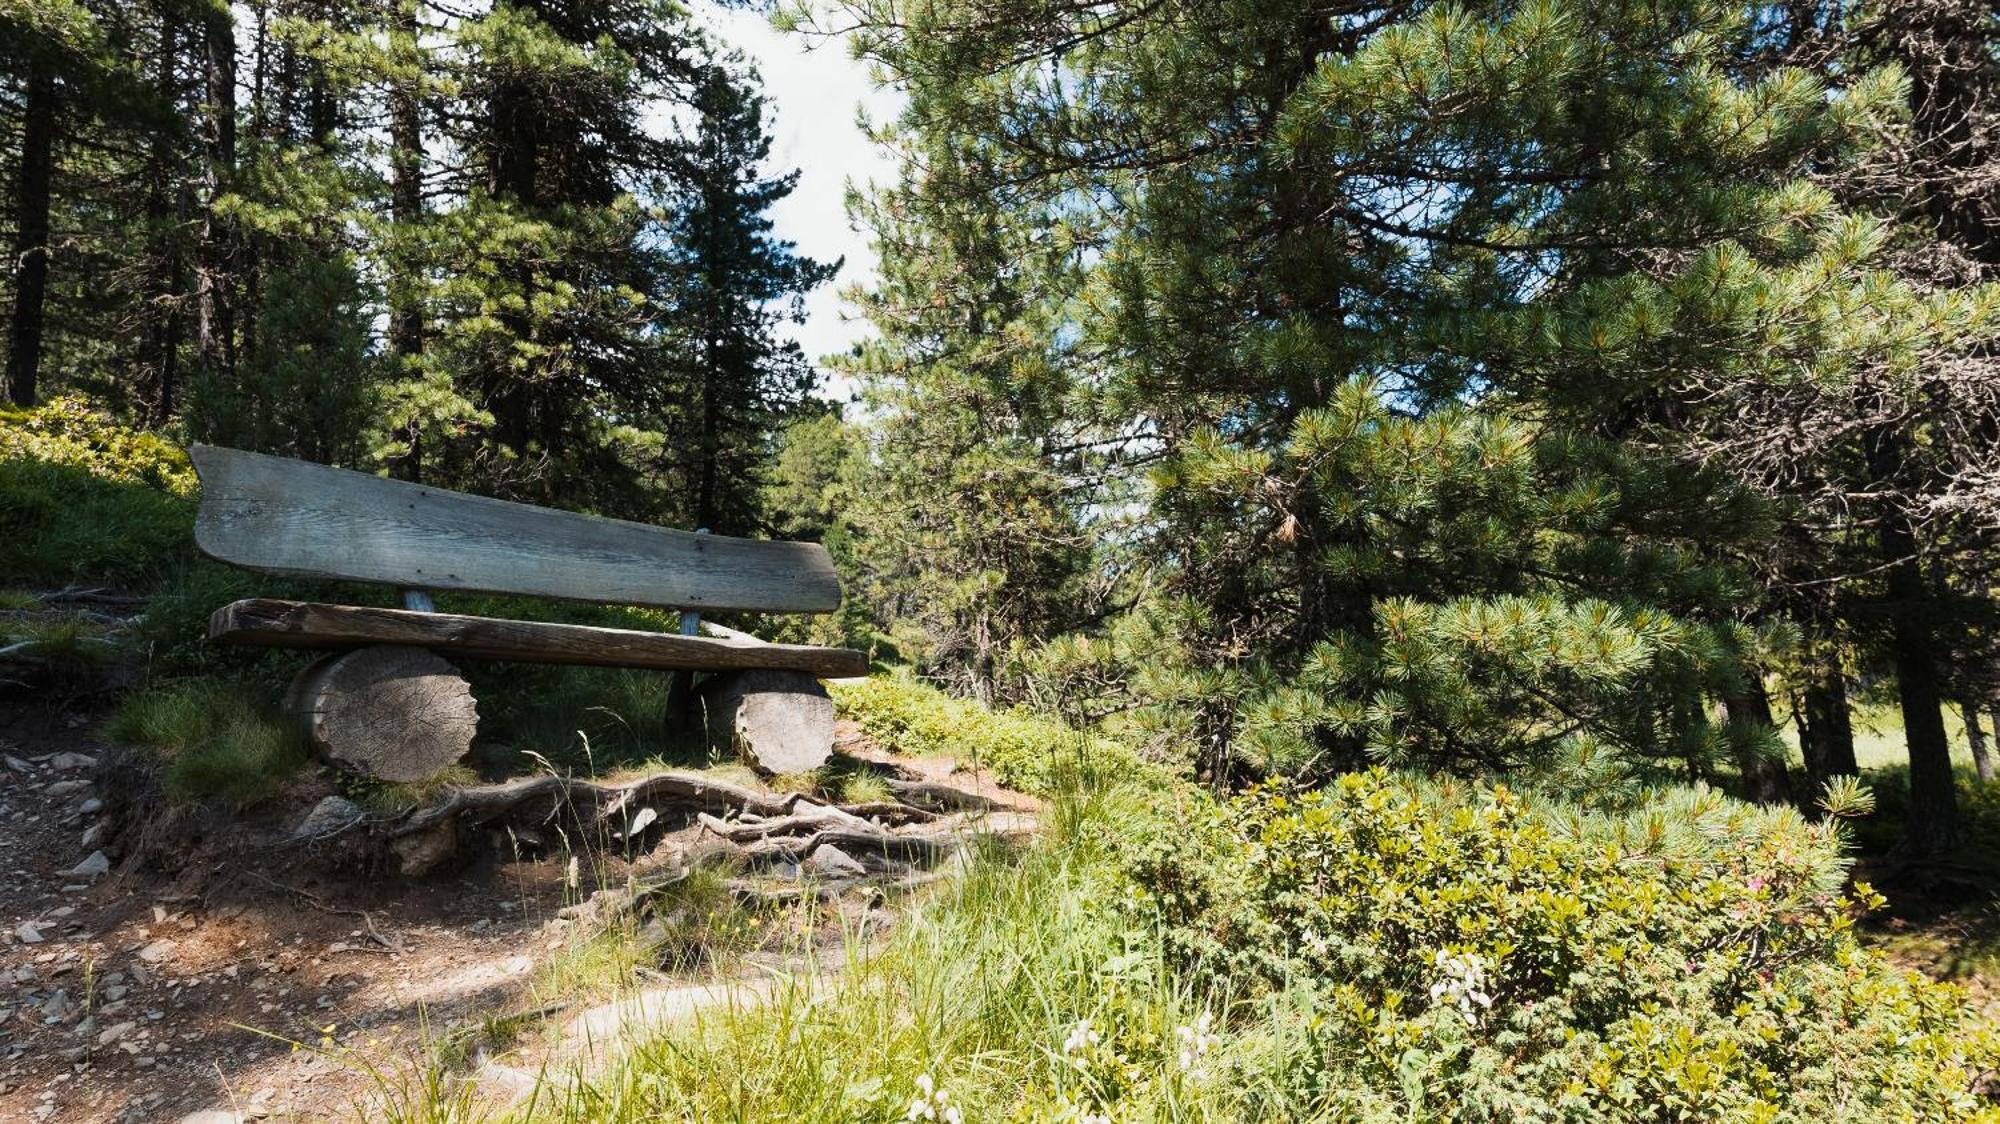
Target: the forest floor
pixel 237 984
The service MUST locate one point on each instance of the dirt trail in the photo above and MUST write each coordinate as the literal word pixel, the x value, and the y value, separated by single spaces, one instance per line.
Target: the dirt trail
pixel 248 984
pixel 126 998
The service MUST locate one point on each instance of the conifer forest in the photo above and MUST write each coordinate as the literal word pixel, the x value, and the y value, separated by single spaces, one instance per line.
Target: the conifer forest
pixel 1467 533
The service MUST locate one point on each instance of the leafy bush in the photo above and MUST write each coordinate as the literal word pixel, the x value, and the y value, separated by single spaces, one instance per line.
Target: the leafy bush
pixel 1461 953
pixel 85 499
pixel 1978 817
pixel 215 741
pixel 1024 750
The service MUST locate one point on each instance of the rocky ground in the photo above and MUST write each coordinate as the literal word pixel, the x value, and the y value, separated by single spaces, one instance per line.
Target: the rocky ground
pixel 240 993
pixel 215 982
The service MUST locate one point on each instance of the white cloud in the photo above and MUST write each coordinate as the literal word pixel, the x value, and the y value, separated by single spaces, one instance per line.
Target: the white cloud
pixel 816 90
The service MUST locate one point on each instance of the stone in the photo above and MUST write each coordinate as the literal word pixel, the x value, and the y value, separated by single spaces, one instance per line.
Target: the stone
pixel 115 1031
pixel 96 866
pixel 60 789
pixel 93 833
pixel 28 933
pixel 157 952
pixel 18 765
pixel 829 861
pixel 329 816
pixel 424 851
pixel 90 807
pixel 57 1006
pixel 72 761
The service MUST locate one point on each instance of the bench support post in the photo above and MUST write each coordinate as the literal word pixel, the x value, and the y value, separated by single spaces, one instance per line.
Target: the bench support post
pixel 388 712
pixel 778 721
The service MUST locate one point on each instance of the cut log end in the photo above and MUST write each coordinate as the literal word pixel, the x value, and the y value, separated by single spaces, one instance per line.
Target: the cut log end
pixel 778 721
pixel 392 713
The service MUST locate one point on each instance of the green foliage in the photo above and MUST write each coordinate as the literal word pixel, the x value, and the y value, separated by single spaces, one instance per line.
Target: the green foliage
pixel 966 1008
pixel 83 498
pixel 215 740
pixel 69 647
pixel 310 390
pixel 1024 750
pixel 1881 831
pixel 1464 952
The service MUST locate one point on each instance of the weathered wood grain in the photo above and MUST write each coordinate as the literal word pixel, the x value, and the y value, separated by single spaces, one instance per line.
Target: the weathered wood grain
pixel 778 721
pixel 270 623
pixel 289 517
pixel 393 713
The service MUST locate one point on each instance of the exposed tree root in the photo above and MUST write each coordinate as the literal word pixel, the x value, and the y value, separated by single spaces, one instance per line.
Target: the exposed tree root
pixel 792 837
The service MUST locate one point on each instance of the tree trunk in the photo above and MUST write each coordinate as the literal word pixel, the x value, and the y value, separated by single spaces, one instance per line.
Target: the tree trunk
pixel 780 721
pixel 406 189
pixel 406 210
pixel 1933 827
pixel 31 237
pixel 1976 738
pixel 215 305
pixel 1826 739
pixel 1765 778
pixel 166 209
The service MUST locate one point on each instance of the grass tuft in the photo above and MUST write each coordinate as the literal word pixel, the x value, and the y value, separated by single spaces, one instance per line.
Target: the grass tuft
pixel 216 743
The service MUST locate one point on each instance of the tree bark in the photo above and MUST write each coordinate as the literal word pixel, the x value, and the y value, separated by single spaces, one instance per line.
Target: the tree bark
pixel 1765 778
pixel 1982 762
pixel 166 209
pixel 1826 739
pixel 215 304
pixel 31 238
pixel 393 713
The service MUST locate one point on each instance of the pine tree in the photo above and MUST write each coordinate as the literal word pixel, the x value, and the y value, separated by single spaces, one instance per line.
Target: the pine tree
pixel 730 286
pixel 1274 207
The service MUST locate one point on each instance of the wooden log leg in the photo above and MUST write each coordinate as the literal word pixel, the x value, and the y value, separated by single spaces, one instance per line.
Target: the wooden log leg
pixel 392 713
pixel 779 721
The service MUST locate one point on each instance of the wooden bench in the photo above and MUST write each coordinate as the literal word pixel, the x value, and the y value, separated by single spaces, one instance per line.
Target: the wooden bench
pixel 386 702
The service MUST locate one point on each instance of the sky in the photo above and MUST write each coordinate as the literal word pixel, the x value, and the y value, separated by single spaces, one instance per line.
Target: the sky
pixel 815 89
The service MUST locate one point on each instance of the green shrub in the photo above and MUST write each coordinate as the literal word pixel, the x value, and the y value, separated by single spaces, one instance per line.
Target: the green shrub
pixel 1460 953
pixel 83 499
pixel 1978 816
pixel 215 740
pixel 1023 749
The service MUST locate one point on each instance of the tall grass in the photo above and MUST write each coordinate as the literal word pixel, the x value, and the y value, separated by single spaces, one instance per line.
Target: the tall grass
pixel 214 740
pixel 977 993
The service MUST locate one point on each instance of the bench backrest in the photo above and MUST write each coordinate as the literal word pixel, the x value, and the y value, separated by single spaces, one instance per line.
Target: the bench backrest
pixel 284 516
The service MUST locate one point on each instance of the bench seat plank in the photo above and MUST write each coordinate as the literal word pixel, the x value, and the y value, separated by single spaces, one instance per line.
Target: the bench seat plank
pixel 271 623
pixel 283 516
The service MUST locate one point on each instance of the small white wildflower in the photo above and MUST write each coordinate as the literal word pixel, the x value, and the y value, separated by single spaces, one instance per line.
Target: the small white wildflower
pixel 932 1103
pixel 1462 984
pixel 1081 1038
pixel 1195 1041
